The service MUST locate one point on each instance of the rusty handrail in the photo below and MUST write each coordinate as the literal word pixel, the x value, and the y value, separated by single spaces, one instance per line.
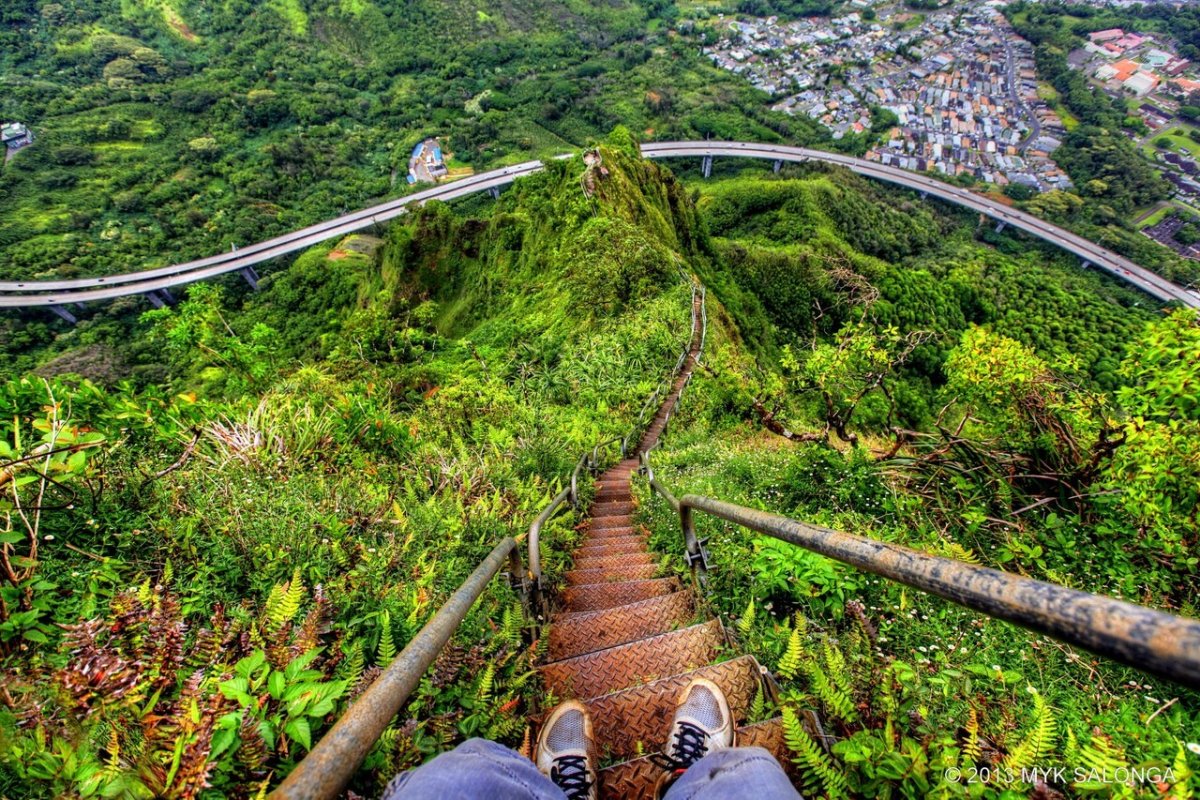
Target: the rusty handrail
pixel 329 766
pixel 1143 638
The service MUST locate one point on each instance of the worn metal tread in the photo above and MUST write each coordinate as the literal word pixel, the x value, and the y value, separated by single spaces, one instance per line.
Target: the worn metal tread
pixel 596 524
pixel 597 596
pixel 605 533
pixel 633 721
pixel 612 574
pixel 627 665
pixel 613 545
pixel 638 779
pixel 612 508
pixel 574 634
pixel 613 560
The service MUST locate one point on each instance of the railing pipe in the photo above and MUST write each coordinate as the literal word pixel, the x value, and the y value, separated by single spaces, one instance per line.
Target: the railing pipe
pixel 1142 638
pixel 327 769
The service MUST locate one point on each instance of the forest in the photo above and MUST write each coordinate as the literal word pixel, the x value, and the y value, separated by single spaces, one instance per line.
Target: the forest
pixel 318 465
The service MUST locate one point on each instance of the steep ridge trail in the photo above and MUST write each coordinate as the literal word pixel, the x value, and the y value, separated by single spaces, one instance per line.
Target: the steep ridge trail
pixel 625 642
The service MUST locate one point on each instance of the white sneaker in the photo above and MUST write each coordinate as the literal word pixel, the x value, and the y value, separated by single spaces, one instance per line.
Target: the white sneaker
pixel 564 751
pixel 702 723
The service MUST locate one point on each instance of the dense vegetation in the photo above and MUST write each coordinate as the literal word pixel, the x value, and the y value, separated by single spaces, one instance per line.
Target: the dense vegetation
pixel 199 575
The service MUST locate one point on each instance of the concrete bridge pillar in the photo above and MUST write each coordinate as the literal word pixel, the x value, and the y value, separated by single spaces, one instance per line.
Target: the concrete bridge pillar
pixel 495 192
pixel 65 315
pixel 707 166
pixel 160 298
pixel 250 276
pixel 1000 226
pixel 924 195
pixel 778 166
pixel 1085 263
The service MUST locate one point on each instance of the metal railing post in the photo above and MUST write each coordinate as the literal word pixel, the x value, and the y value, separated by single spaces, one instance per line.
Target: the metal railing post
pixel 696 556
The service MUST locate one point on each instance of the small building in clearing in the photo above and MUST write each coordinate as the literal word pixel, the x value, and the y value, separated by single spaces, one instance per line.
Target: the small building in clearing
pixel 15 135
pixel 426 164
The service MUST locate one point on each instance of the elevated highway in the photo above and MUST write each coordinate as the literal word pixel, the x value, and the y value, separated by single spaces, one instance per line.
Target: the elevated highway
pixel 58 294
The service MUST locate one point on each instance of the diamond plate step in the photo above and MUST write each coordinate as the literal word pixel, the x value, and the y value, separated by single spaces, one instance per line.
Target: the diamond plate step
pixel 618 521
pixel 612 509
pixel 627 665
pixel 612 546
pixel 616 560
pixel 638 779
pixel 597 596
pixel 612 574
pixel 633 721
pixel 576 634
pixel 604 533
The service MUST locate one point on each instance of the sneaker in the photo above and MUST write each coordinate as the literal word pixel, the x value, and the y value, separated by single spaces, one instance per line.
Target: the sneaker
pixel 564 751
pixel 702 723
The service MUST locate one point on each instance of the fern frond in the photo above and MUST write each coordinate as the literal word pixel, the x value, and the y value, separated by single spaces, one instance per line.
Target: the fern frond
pixel 1182 775
pixel 1039 742
pixel 957 551
pixel 511 626
pixel 758 705
pixel 972 752
pixel 834 698
pixel 817 769
pixel 387 646
pixel 486 681
pixel 746 623
pixel 283 602
pixel 789 665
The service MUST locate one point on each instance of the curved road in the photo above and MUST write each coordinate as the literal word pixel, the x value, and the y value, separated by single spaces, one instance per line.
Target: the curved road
pixel 28 294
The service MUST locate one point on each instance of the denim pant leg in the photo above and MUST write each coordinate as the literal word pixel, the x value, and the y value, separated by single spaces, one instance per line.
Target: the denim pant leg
pixel 735 773
pixel 474 770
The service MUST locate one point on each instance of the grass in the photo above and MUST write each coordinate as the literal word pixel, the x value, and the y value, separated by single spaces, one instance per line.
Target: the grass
pixel 1176 136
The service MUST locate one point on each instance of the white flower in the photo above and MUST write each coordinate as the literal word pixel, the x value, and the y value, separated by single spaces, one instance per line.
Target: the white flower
pixel 1195 748
pixel 996 667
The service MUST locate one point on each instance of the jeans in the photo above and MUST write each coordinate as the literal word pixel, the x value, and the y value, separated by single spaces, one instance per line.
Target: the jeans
pixel 481 769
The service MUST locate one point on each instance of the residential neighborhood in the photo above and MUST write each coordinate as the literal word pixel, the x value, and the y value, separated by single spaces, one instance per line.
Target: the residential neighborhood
pixel 959 82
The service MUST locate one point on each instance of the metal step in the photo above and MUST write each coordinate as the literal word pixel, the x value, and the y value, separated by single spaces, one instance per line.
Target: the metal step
pixel 613 545
pixel 638 779
pixel 602 533
pixel 627 665
pixel 612 574
pixel 617 560
pixel 597 596
pixel 611 509
pixel 617 521
pixel 579 633
pixel 634 721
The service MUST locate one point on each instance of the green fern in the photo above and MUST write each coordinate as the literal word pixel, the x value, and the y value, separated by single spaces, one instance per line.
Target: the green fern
pixel 487 680
pixel 972 752
pixel 352 667
pixel 818 772
pixel 511 626
pixel 387 646
pixel 1039 742
pixel 283 603
pixel 835 699
pixel 758 705
pixel 746 623
pixel 1183 776
pixel 789 665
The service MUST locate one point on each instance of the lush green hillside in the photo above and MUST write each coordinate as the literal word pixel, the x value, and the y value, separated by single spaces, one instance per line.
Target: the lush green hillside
pixel 317 466
pixel 169 130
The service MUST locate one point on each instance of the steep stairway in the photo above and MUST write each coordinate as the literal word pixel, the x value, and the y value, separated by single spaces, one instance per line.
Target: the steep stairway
pixel 625 641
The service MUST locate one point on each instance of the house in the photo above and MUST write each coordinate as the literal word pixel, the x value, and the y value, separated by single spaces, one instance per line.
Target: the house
pixel 1141 83
pixel 1108 35
pixel 14 135
pixel 1124 70
pixel 426 164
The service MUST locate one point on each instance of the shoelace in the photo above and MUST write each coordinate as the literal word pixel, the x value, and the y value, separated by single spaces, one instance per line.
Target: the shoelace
pixel 691 745
pixel 570 773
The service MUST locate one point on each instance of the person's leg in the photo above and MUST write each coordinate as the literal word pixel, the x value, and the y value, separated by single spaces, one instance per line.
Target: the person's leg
pixel 733 773
pixel 476 768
